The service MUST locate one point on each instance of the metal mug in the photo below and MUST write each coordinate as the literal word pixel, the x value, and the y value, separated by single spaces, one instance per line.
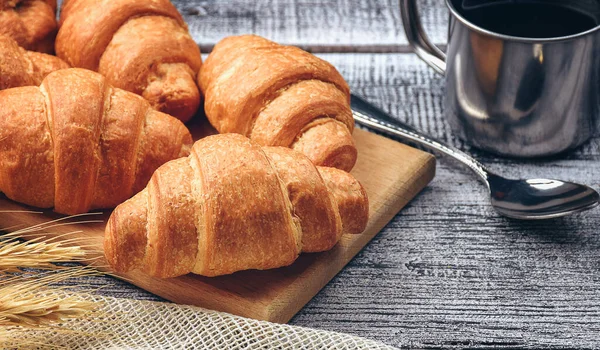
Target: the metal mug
pixel 514 96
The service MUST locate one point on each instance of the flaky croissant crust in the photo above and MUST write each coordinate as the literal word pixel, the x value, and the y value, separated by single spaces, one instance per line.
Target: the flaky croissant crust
pixel 279 96
pixel 142 46
pixel 19 67
pixel 31 23
pixel 76 143
pixel 232 205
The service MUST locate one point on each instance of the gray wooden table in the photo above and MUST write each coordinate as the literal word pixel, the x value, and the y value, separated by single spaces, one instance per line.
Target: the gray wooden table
pixel 447 271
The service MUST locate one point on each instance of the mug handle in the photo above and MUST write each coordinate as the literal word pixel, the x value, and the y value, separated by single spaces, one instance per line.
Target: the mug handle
pixel 417 38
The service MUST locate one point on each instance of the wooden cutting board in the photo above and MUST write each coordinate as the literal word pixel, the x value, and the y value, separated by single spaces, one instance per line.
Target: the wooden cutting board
pixel 392 174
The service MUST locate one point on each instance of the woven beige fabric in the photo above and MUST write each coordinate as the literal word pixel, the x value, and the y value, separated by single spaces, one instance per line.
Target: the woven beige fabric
pixel 134 324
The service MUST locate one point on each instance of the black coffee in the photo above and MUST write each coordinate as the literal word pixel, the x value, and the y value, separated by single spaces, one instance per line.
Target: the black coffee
pixel 529 20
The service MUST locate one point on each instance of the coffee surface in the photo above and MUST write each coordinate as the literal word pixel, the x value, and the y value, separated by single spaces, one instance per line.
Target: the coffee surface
pixel 529 20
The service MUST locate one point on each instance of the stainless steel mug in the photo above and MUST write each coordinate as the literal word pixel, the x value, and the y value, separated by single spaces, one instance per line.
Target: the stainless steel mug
pixel 515 96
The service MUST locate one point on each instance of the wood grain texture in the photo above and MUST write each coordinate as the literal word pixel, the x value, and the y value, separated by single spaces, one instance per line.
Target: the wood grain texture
pixel 319 26
pixel 274 295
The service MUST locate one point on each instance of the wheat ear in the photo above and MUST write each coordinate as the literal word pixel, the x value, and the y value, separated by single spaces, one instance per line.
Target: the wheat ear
pixel 30 302
pixel 36 254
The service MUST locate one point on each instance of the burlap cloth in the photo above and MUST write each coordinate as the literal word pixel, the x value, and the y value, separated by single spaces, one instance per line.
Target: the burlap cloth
pixel 134 324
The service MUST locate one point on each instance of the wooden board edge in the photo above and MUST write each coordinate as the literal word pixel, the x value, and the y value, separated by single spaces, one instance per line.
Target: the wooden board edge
pixel 327 265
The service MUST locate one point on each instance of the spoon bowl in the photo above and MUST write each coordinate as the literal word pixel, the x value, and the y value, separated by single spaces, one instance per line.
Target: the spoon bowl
pixel 529 199
pixel 539 198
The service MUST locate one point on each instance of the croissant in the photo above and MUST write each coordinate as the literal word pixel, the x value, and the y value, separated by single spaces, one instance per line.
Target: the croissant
pixel 31 23
pixel 75 143
pixel 232 205
pixel 142 46
pixel 279 96
pixel 19 67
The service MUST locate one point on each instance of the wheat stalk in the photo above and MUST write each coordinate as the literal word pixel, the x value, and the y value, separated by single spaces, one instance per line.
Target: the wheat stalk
pixel 26 300
pixel 36 254
pixel 29 302
pixel 51 224
pixel 38 309
pixel 29 309
pixel 41 251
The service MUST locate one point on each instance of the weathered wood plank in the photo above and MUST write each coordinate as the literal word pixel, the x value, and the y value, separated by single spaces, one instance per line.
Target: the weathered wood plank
pixel 319 26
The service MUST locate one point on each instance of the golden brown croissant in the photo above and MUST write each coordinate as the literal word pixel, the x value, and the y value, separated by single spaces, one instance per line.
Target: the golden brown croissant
pixel 279 96
pixel 31 23
pixel 230 206
pixel 76 143
pixel 19 67
pixel 142 46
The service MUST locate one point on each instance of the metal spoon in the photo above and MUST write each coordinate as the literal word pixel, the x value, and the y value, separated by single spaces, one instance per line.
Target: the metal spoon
pixel 531 199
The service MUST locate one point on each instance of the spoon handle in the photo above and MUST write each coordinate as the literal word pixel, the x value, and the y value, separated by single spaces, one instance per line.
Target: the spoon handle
pixel 371 116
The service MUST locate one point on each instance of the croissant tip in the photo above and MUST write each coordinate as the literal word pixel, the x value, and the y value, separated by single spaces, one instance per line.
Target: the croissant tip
pixel 343 158
pixel 360 212
pixel 125 236
pixel 184 109
pixel 174 91
pixel 110 251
